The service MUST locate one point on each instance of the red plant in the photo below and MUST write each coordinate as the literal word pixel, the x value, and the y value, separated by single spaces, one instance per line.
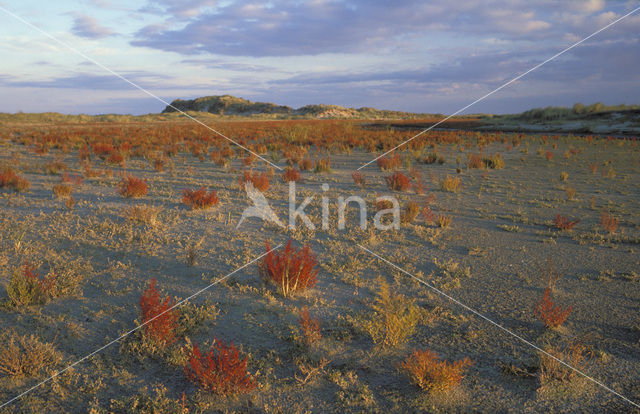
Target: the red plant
pixel 259 180
pixel 291 174
pixel 389 163
pixel 292 270
pixel 9 179
pixel 398 182
pixel 563 223
pixel 549 313
pixel 305 164
pixel 429 373
pixel 427 214
pixel 115 158
pixel 221 370
pixel 74 179
pixel 609 222
pixel 160 319
pixel 310 326
pixel 199 199
pixel 45 285
pixel 132 187
pixel 548 155
pixel 359 179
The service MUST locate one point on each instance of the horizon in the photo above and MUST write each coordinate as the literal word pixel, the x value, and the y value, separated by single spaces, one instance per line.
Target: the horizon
pixel 409 57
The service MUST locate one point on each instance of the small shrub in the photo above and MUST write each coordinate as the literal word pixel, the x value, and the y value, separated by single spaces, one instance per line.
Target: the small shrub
pixel 221 370
pixel 450 184
pixel 62 190
pixel 563 223
pixel 431 158
pixel 10 180
pixel 359 179
pixel 158 164
pixel 593 167
pixel 495 162
pixel 71 179
pixel 549 313
pixel 54 167
pixel 443 221
pixel 394 319
pixel 292 270
pixel 116 158
pixel 132 187
pixel 305 164
pixel 411 211
pixel 431 374
pixel 608 222
pixel 28 288
pixel 26 355
pixel 574 353
pixel 398 182
pixel 142 214
pixel 323 165
pixel 474 161
pixel 383 204
pixel 156 313
pixel 571 193
pixel 199 199
pixel 548 155
pixel 310 326
pixel 564 176
pixel 291 174
pixel 260 181
pixel 389 163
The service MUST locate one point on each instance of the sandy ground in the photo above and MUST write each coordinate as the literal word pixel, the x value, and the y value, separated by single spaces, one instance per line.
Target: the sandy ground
pixel 501 230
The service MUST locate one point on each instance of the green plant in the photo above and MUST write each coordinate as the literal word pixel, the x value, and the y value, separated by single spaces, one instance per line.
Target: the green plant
pixel 431 374
pixel 394 318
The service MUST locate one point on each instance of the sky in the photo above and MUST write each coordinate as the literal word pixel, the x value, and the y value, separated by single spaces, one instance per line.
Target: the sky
pixel 420 56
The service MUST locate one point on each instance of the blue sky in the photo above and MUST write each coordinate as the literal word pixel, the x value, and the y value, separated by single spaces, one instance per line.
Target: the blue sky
pixel 421 56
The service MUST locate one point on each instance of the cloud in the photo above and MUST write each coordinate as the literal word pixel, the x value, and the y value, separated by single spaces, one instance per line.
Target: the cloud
pixel 88 27
pixel 291 28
